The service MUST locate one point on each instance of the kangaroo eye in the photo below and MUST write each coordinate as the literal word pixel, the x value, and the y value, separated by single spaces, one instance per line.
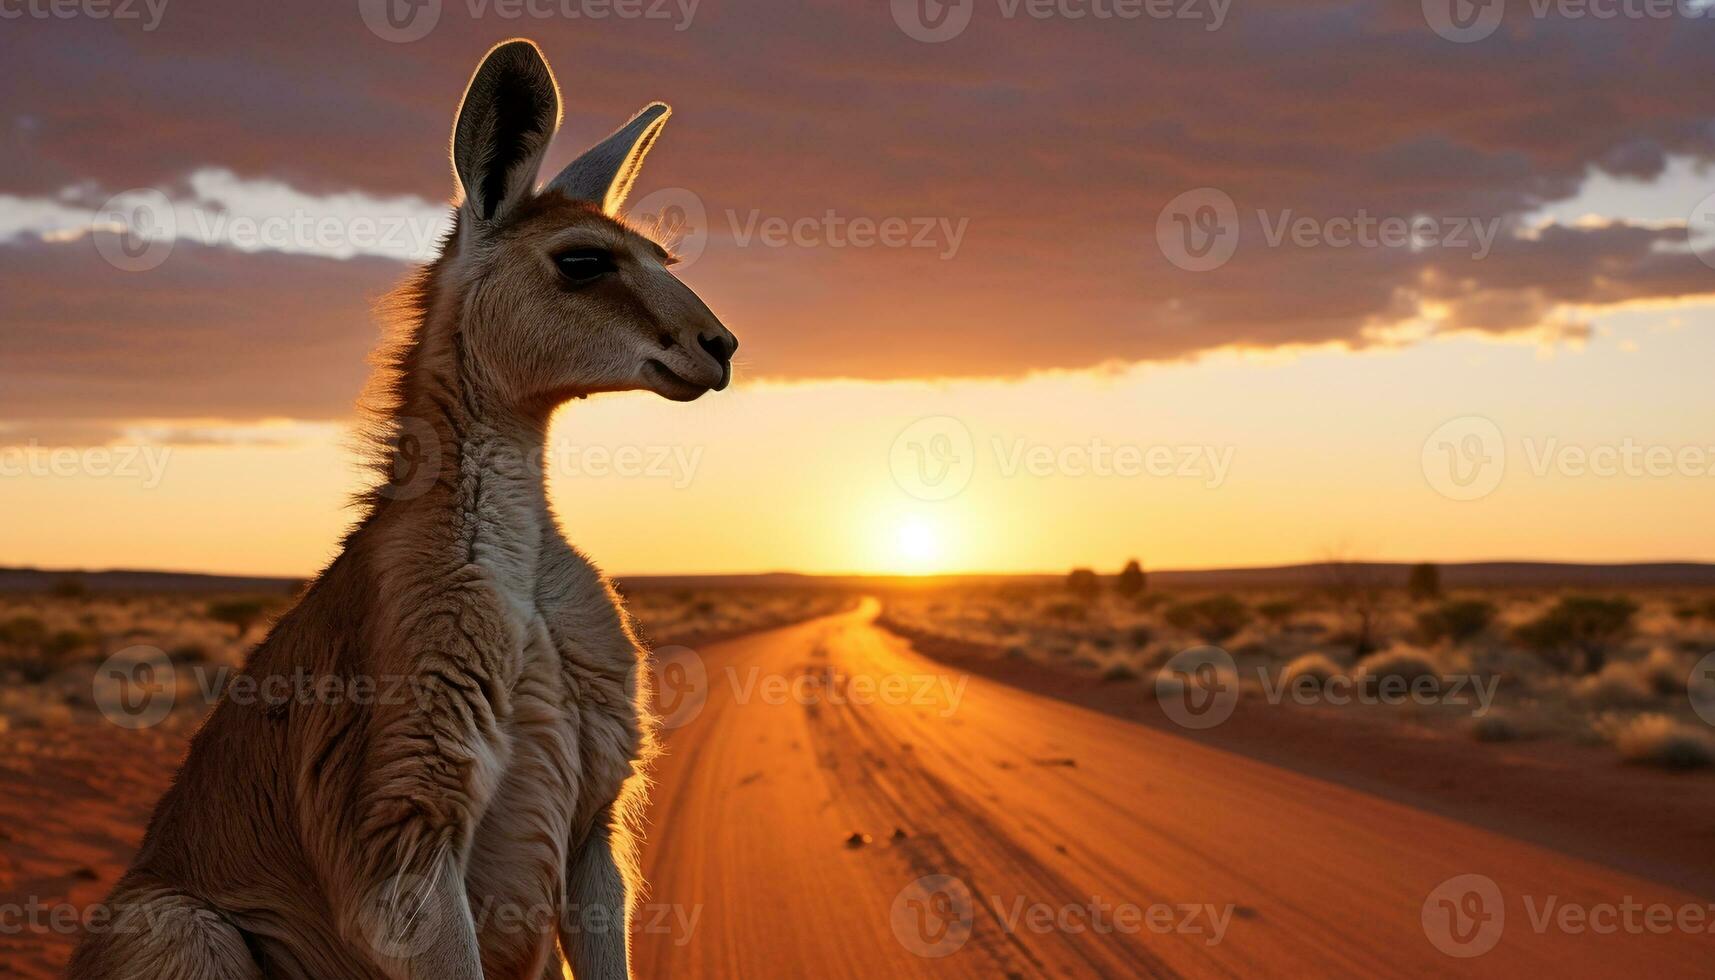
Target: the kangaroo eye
pixel 584 265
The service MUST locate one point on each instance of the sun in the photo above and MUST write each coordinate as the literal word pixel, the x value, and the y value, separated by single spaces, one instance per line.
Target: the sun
pixel 918 543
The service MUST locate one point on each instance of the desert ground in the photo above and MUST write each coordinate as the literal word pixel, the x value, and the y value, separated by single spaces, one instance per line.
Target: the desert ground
pixel 76 790
pixel 982 779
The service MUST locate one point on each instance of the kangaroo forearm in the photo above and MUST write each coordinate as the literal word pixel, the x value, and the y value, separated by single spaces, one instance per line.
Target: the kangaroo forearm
pixel 595 927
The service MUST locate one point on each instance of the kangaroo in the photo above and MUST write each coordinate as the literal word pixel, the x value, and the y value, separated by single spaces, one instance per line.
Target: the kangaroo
pixel 472 797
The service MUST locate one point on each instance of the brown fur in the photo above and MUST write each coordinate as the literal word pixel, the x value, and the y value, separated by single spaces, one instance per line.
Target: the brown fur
pixel 447 823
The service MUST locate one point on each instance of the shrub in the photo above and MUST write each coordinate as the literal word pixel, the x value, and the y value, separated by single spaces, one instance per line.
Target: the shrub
pixel 1399 670
pixel 1665 673
pixel 1661 741
pixel 1309 673
pixel 69 587
pixel 1083 583
pixel 22 632
pixel 1131 580
pixel 188 654
pixel 1119 672
pixel 240 614
pixel 1576 633
pixel 1214 619
pixel 1456 620
pixel 34 652
pixel 1210 675
pixel 1067 611
pixel 1617 686
pixel 1357 591
pixel 1425 581
pixel 1496 727
pixel 1277 611
pixel 64 643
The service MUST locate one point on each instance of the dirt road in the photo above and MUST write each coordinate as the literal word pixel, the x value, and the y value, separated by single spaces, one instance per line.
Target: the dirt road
pixel 1006 834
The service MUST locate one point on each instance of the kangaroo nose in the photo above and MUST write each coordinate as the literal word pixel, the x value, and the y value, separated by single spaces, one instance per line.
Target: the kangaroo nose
pixel 721 346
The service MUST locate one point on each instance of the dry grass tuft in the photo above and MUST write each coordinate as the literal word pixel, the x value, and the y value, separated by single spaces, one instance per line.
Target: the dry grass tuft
pixel 1619 685
pixel 1658 740
pixel 1400 668
pixel 1498 727
pixel 1309 673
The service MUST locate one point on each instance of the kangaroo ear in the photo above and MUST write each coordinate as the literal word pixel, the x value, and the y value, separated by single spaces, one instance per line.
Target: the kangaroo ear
pixel 508 116
pixel 605 173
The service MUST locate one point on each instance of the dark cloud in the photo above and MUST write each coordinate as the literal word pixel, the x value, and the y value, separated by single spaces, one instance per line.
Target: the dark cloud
pixel 1059 142
pixel 211 333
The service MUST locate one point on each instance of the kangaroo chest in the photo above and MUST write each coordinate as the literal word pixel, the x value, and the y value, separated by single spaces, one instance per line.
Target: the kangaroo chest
pixel 570 736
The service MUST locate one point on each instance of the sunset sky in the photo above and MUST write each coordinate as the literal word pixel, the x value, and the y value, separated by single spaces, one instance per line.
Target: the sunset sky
pixel 1032 368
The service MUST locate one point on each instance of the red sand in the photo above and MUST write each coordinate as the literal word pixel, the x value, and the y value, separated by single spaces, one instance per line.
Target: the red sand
pixel 1035 790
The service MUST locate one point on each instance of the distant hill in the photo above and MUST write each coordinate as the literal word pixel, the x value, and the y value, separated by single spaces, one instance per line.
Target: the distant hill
pixel 1454 575
pixel 111 581
pixel 124 580
pixel 1460 575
